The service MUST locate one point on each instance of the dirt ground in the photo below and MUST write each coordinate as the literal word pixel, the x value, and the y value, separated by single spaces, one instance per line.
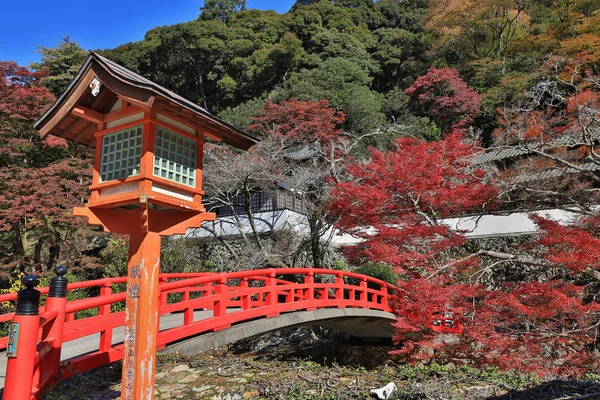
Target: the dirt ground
pixel 224 375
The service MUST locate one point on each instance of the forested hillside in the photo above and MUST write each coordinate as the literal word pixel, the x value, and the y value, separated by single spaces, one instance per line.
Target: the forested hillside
pixel 416 110
pixel 361 55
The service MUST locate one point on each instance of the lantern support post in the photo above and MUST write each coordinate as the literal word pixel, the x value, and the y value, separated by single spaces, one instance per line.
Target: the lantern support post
pixel 142 315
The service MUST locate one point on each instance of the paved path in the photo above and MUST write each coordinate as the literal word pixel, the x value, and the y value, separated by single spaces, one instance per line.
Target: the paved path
pixel 90 343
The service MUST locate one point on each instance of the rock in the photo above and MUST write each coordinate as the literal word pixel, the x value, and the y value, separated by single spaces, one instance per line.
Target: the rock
pixel 180 368
pixel 201 389
pixel 270 342
pixel 189 378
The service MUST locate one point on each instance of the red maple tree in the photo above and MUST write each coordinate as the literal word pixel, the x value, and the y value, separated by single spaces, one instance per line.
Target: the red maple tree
pixel 444 96
pixel 40 180
pixel 298 121
pixel 397 203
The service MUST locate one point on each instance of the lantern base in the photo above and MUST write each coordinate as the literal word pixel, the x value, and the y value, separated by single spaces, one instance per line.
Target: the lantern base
pixel 133 192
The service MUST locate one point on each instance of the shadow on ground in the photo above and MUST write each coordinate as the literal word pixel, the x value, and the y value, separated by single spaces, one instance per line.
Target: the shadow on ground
pixel 555 390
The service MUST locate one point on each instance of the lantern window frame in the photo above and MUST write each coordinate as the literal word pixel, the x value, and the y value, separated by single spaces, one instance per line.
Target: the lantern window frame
pixel 121 159
pixel 178 161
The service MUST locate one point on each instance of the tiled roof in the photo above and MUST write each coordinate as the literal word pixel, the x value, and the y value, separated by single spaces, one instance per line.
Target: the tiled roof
pixel 504 152
pixel 557 172
pixel 303 152
pixel 139 80
pixel 499 154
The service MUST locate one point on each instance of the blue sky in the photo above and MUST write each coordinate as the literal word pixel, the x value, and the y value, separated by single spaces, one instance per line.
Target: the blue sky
pixel 93 24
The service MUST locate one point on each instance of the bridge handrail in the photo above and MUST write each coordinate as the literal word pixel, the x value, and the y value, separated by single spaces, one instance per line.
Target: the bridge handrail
pixel 274 271
pixel 89 284
pixel 70 286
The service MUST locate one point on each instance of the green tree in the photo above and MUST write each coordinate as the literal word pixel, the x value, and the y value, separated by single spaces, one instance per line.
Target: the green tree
pixel 346 86
pixel 332 44
pixel 61 63
pixel 408 15
pixel 398 53
pixel 221 10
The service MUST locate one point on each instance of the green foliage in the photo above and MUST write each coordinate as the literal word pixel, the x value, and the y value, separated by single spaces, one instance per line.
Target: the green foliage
pixel 115 256
pixel 406 15
pixel 62 63
pixel 345 84
pixel 339 265
pixel 381 271
pixel 179 255
pixel 221 10
pixel 241 115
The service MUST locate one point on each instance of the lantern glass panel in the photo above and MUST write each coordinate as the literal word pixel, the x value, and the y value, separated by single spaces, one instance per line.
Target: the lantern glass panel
pixel 121 154
pixel 175 157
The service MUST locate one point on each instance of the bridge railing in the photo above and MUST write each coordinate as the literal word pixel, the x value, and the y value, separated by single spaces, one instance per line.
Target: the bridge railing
pixel 232 298
pixel 245 295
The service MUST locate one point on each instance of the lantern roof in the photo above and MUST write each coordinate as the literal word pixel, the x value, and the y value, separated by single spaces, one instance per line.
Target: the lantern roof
pixel 77 112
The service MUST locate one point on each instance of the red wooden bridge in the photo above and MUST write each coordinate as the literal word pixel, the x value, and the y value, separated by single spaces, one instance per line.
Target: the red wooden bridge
pixel 293 296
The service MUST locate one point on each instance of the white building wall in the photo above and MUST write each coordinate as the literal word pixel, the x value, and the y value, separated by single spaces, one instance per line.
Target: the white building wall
pixel 478 226
pixel 513 224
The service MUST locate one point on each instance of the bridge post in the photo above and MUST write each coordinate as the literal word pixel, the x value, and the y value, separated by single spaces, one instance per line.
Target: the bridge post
pixel 363 291
pixel 309 292
pixel 245 297
pixel 220 308
pixel 22 342
pixel 339 290
pixel 272 297
pixel 106 335
pixel 162 301
pixel 57 298
pixel 188 313
pixel 385 299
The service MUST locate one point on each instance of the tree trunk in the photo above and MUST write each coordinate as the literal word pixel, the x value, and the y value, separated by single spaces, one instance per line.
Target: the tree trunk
pixel 18 246
pixel 204 103
pixel 315 240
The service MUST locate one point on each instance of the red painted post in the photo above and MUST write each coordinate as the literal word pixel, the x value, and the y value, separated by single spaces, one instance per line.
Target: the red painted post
pixel 289 298
pixel 22 342
pixel 57 299
pixel 246 296
pixel 141 323
pixel 384 299
pixel 272 297
pixel 339 290
pixel 363 292
pixel 106 335
pixel 162 302
pixel 309 292
pixel 188 313
pixel 220 307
